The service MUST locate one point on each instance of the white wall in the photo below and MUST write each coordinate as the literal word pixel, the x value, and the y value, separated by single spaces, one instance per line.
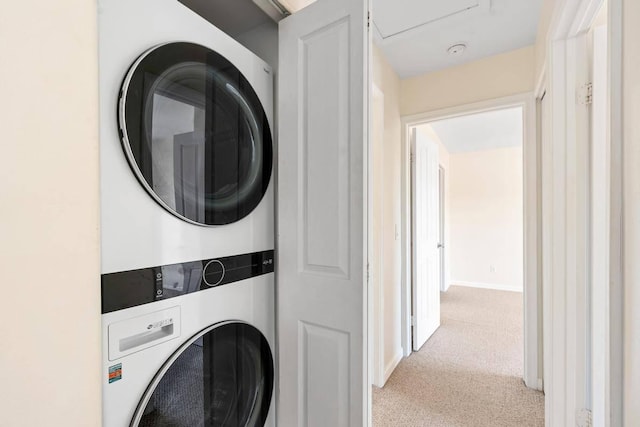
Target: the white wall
pixel 263 41
pixel 487 218
pixel 389 83
pixel 50 324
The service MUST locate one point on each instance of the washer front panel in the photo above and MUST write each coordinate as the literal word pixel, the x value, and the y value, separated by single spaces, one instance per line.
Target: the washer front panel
pixel 223 376
pixel 147 285
pixel 195 133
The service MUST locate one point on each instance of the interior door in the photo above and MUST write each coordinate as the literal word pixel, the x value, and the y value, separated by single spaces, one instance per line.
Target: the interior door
pixel 426 235
pixel 323 101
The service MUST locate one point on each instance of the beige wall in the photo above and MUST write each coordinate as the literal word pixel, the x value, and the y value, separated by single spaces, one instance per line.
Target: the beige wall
pixel 546 15
pixel 487 217
pixel 494 77
pixel 388 82
pixel 631 210
pixel 50 326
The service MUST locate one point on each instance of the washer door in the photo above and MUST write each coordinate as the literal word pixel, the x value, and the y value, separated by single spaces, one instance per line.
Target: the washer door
pixel 223 377
pixel 195 134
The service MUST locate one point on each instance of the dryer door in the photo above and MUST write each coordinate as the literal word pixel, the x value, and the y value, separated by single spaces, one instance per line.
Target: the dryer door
pixel 222 377
pixel 195 133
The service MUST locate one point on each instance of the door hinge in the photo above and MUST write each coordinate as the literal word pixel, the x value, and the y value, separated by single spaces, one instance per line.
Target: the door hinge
pixel 584 418
pixel 585 94
pixel 368 275
pixel 368 19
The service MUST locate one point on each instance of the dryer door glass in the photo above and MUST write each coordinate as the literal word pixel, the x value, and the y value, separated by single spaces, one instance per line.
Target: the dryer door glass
pixel 222 378
pixel 195 134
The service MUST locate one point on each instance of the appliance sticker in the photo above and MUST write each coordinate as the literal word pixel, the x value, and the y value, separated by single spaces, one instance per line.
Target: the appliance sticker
pixel 115 373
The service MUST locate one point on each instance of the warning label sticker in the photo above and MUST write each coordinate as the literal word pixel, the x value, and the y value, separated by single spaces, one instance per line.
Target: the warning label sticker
pixel 115 373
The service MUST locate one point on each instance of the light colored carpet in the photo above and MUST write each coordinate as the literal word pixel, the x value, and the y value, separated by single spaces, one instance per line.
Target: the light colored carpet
pixel 469 373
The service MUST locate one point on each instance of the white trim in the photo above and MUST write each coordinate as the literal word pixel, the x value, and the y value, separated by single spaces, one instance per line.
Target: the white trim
pixel 378 293
pixel 392 365
pixel 541 85
pixel 527 102
pixel 544 238
pixel 569 373
pixel 493 286
pixel 614 394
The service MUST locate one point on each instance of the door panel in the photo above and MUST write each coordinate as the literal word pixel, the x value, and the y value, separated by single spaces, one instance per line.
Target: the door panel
pixel 426 234
pixel 322 200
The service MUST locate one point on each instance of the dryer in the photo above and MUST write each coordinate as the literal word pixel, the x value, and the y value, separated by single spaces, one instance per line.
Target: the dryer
pixel 186 149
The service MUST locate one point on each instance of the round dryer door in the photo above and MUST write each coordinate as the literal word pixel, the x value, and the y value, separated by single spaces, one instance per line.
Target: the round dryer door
pixel 195 134
pixel 223 377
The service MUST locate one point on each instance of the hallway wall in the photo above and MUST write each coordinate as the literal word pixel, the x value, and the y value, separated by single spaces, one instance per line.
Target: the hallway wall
pixel 50 356
pixel 506 74
pixel 487 218
pixel 388 82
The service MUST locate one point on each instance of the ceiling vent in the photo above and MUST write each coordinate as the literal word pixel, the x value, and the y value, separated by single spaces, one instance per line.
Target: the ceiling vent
pixel 457 49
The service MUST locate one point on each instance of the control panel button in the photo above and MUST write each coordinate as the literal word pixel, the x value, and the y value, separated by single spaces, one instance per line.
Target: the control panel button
pixel 213 273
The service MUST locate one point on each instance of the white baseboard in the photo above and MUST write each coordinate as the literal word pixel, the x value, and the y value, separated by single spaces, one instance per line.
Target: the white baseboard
pixel 494 286
pixel 392 365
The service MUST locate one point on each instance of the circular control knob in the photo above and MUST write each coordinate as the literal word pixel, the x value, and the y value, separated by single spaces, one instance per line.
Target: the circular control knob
pixel 213 273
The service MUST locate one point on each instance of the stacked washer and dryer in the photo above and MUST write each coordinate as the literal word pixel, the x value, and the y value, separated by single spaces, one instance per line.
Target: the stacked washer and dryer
pixel 187 211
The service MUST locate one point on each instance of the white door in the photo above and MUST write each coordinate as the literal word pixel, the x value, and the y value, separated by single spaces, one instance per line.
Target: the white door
pixel 425 235
pixel 322 206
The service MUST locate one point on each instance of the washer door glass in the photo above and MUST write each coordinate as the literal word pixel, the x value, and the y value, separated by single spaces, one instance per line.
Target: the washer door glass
pixel 222 378
pixel 195 134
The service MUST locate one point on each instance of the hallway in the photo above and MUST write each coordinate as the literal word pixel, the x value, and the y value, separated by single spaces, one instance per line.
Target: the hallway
pixel 469 373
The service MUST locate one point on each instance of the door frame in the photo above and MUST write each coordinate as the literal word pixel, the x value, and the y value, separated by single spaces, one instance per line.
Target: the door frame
pixel 378 376
pixel 442 232
pixel 568 392
pixel 526 101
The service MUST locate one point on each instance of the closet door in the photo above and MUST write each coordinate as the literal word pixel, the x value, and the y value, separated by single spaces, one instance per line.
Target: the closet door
pixel 322 207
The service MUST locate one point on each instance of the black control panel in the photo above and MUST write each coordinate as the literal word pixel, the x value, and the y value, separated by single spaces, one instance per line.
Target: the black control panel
pixel 136 287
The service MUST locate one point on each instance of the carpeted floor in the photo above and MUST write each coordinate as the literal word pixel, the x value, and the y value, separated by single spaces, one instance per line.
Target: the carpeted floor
pixel 469 373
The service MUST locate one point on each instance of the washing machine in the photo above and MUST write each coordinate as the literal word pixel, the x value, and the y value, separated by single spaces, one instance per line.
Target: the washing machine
pixel 187 221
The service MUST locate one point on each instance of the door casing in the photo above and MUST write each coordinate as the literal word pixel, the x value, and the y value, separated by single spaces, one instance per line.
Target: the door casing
pixel 532 331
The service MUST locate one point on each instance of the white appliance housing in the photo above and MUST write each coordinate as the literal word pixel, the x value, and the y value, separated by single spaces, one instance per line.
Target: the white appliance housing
pixel 136 231
pixel 138 234
pixel 140 358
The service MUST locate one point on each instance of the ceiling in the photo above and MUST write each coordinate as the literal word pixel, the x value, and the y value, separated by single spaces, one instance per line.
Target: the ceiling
pixel 415 34
pixel 482 131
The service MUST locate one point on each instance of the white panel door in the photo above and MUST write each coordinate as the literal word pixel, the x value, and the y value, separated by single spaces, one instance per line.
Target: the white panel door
pixel 322 207
pixel 425 235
